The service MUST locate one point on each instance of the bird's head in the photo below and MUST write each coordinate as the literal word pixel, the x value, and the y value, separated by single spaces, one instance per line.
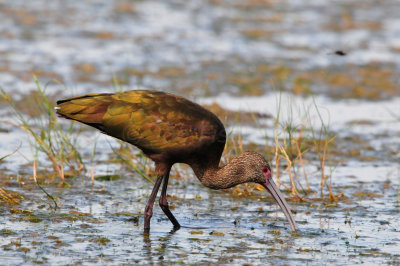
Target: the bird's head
pixel 259 171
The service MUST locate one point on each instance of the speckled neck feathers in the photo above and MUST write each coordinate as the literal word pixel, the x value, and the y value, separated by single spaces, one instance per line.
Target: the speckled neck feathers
pixel 244 168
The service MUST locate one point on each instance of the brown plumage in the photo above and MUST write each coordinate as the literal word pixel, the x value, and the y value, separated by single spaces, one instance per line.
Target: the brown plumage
pixel 170 129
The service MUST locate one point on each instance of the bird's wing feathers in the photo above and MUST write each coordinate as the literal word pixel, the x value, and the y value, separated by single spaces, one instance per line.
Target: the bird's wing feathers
pixel 151 120
pixel 88 109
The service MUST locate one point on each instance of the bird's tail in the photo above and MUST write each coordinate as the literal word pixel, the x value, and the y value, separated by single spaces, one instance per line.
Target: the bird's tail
pixel 88 109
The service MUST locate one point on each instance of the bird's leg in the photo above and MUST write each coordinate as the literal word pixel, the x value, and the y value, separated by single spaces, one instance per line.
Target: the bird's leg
pixel 148 211
pixel 164 203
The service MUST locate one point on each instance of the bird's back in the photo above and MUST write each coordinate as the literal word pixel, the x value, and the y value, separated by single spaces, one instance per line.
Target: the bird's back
pixel 165 126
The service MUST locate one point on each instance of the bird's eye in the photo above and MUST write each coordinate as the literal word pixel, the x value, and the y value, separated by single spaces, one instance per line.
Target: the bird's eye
pixel 267 173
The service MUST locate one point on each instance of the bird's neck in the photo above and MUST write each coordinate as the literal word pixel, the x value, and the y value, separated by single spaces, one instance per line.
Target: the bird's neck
pixel 216 177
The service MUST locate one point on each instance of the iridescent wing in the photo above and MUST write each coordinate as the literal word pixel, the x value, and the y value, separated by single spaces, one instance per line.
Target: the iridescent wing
pixel 151 120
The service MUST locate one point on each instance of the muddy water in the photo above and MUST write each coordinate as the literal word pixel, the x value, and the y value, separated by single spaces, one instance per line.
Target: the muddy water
pixel 218 49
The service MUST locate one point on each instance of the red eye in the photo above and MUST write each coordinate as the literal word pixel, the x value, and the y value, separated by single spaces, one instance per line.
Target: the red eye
pixel 267 173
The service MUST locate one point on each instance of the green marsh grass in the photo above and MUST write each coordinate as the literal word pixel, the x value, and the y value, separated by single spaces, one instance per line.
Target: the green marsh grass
pixel 323 139
pixel 295 147
pixel 47 137
pixel 284 139
pixel 295 142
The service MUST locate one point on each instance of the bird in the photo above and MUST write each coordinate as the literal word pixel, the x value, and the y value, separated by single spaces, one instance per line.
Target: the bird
pixel 340 53
pixel 171 129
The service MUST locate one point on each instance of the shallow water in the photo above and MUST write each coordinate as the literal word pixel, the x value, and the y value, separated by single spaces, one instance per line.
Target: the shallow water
pixel 103 224
pixel 221 50
pixel 177 44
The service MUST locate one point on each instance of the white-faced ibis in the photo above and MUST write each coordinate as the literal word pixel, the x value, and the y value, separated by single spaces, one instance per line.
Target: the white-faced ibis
pixel 170 129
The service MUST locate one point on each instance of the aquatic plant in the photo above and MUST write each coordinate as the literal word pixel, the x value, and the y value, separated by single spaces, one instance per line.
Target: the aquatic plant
pixel 296 144
pixel 47 137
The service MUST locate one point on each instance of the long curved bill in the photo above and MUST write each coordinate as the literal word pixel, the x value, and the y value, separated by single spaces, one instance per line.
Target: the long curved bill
pixel 278 196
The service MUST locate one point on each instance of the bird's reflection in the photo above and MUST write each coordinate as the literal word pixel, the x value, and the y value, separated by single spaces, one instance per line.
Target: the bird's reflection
pixel 164 241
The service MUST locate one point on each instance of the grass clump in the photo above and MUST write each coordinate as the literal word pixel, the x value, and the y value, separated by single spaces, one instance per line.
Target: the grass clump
pixel 301 147
pixel 295 143
pixel 46 135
